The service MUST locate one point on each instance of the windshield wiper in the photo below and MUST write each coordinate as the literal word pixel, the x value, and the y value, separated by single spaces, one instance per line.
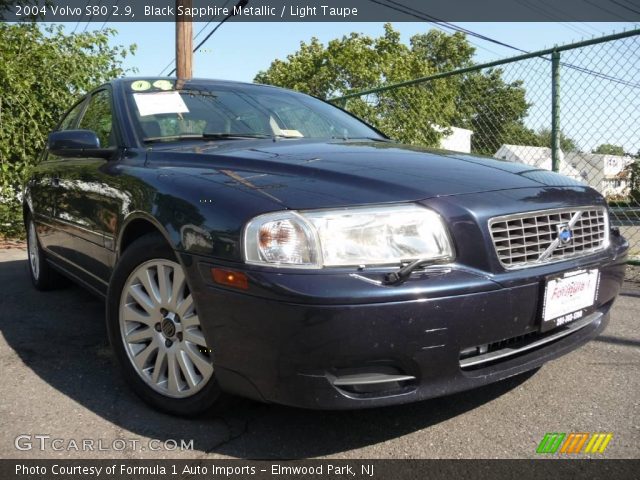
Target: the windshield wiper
pixel 274 136
pixel 205 136
pixel 235 135
pixel 373 139
pixel 400 276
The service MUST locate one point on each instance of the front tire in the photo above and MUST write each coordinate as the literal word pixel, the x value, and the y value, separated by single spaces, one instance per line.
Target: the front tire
pixel 155 331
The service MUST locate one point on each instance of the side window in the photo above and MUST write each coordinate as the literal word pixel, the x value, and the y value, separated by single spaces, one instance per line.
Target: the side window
pixel 98 118
pixel 70 120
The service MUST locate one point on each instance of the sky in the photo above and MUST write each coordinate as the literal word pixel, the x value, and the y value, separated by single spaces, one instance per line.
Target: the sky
pixel 239 50
pixel 593 112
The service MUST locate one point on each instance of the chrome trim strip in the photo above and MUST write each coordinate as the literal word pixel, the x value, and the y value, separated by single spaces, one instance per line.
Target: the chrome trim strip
pixel 547 253
pixel 369 379
pixel 74 265
pixel 508 352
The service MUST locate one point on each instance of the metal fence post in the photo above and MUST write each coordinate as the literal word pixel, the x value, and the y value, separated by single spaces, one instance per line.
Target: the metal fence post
pixel 555 111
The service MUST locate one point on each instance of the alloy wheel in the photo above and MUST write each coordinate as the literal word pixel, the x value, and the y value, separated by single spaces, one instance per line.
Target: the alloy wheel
pixel 161 331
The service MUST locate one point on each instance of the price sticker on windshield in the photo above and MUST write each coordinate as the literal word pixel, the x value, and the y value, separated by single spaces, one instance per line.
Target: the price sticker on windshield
pixel 155 103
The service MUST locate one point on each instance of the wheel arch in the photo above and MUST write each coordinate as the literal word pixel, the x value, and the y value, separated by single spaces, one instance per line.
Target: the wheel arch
pixel 26 213
pixel 137 225
pixel 27 207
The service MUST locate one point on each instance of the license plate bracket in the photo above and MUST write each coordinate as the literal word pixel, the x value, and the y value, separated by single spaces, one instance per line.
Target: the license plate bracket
pixel 568 297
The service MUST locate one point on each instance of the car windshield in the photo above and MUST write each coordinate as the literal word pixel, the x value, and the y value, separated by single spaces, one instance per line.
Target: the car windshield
pixel 164 113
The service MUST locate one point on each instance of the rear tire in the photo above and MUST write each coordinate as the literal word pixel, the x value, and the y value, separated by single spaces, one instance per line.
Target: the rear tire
pixel 155 332
pixel 42 275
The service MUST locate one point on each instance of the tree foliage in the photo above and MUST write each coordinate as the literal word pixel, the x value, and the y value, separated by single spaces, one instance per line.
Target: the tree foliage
pixel 567 144
pixel 633 172
pixel 482 101
pixel 609 149
pixel 42 71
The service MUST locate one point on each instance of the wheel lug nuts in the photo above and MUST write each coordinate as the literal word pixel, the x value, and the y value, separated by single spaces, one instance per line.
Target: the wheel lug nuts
pixel 163 311
pixel 180 336
pixel 168 343
pixel 158 327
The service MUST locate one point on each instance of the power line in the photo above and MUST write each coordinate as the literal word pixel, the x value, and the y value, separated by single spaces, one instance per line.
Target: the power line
pixel 165 68
pixel 625 7
pixel 431 19
pixel 78 24
pixel 210 20
pixel 91 17
pixel 440 25
pixel 631 2
pixel 540 9
pixel 205 39
pixel 606 10
pixel 109 16
pixel 172 61
pixel 241 4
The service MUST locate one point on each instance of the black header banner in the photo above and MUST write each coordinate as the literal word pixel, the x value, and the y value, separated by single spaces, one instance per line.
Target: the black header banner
pixel 321 11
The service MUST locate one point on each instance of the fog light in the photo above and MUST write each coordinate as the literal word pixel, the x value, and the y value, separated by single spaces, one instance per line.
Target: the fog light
pixel 474 351
pixel 230 278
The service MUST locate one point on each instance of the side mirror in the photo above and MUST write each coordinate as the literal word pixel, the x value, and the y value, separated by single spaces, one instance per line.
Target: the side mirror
pixel 77 143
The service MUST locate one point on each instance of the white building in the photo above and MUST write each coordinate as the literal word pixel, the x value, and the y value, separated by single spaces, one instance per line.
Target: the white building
pixel 539 157
pixel 459 140
pixel 606 173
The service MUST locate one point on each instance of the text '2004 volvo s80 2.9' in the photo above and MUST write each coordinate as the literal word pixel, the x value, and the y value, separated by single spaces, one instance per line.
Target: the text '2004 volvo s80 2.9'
pixel 256 241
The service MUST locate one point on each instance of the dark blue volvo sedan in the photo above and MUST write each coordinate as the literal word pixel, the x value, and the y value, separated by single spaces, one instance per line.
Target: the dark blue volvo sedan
pixel 255 241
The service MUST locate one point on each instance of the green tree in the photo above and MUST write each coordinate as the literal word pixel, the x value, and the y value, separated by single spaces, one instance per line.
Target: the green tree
pixel 633 171
pixel 43 69
pixel 609 149
pixel 566 144
pixel 418 114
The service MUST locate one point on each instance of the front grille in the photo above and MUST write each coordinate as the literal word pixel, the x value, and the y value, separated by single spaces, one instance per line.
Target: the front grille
pixel 546 236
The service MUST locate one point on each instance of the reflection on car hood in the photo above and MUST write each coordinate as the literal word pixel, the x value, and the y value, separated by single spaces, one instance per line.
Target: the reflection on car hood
pixel 312 174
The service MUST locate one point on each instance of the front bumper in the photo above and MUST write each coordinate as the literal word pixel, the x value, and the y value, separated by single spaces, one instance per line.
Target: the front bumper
pixel 292 335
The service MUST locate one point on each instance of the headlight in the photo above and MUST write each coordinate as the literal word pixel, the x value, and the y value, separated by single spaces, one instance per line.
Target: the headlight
pixel 351 236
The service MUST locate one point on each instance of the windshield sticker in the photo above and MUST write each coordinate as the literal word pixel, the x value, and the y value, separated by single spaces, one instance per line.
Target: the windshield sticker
pixel 163 84
pixel 281 131
pixel 159 102
pixel 291 133
pixel 140 85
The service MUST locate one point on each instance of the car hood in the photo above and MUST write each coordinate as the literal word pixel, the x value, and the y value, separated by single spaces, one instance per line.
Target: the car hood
pixel 304 174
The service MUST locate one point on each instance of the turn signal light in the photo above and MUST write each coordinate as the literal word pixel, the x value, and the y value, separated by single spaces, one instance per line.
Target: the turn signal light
pixel 230 278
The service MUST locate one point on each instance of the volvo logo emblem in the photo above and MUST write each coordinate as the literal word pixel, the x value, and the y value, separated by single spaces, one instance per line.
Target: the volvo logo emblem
pixel 168 328
pixel 565 235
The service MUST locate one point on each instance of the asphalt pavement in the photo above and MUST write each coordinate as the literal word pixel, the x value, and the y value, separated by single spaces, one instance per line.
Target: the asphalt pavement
pixel 61 389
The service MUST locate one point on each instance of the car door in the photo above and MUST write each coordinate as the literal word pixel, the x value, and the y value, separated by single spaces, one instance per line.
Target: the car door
pixel 44 189
pixel 88 199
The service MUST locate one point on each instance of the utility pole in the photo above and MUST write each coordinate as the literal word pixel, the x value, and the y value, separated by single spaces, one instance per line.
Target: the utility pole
pixel 555 112
pixel 184 42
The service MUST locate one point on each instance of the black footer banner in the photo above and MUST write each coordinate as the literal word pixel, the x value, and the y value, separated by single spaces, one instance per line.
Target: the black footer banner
pixel 316 469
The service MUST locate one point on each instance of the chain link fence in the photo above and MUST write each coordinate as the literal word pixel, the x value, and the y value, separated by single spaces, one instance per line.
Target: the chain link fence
pixel 574 109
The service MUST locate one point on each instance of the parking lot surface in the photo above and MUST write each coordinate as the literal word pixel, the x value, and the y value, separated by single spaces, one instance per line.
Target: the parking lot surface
pixel 59 380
